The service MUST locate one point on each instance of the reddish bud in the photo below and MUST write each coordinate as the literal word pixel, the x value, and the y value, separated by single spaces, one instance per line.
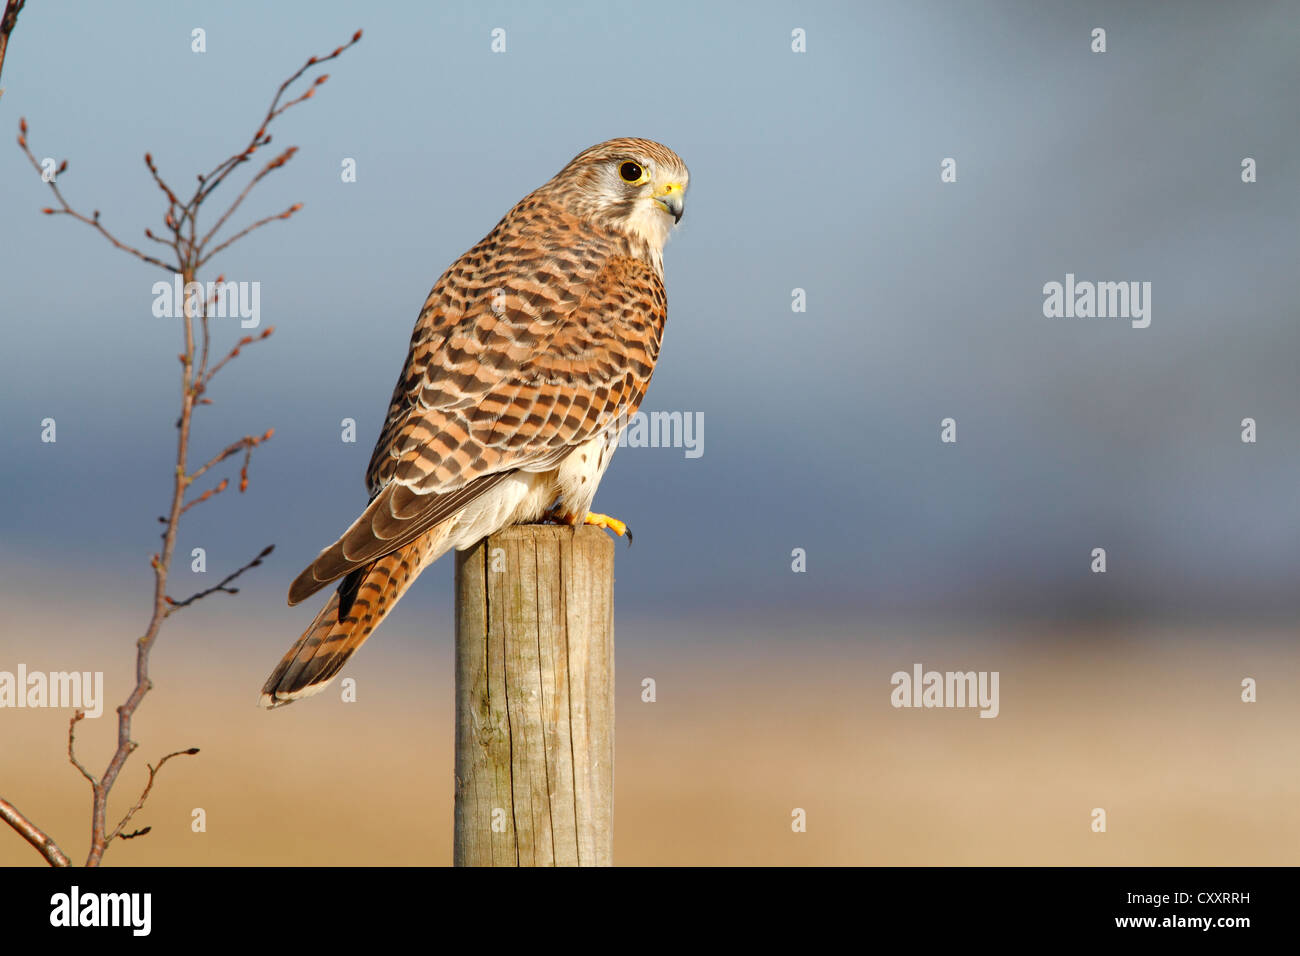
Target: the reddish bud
pixel 321 79
pixel 62 166
pixel 22 124
pixel 356 36
pixel 48 211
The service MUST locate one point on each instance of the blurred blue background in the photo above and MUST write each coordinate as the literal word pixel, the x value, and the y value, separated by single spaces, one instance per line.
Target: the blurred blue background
pixel 817 171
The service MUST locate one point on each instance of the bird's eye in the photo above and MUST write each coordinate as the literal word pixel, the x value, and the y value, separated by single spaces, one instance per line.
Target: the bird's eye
pixel 631 172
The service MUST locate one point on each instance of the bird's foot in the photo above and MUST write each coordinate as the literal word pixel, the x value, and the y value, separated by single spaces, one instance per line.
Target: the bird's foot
pixel 604 521
pixel 559 516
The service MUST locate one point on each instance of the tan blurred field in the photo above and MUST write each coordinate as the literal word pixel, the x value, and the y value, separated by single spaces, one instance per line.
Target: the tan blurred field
pixel 778 715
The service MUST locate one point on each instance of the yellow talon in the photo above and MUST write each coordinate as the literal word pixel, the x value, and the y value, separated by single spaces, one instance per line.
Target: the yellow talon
pixel 605 521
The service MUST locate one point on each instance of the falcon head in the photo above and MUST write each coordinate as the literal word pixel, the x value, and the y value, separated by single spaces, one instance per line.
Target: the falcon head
pixel 636 186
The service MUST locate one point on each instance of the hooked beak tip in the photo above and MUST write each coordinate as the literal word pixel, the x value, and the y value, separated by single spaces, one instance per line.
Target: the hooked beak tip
pixel 672 205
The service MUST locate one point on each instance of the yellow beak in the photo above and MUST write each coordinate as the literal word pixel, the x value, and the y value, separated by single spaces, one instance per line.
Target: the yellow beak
pixel 672 196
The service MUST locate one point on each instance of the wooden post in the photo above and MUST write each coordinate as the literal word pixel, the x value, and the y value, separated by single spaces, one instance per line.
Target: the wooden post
pixel 535 698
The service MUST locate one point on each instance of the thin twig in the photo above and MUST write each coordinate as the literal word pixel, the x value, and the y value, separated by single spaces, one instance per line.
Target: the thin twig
pixel 92 220
pixel 221 585
pixel 139 804
pixel 204 379
pixel 72 756
pixel 273 164
pixel 257 225
pixel 208 183
pixel 207 335
pixel 216 489
pixel 247 443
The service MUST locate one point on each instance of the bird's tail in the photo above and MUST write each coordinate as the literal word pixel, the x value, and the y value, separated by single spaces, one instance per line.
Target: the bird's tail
pixel 365 596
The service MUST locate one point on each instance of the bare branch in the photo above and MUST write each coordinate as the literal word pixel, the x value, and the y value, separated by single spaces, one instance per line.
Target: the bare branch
pixel 139 804
pixel 33 834
pixel 72 756
pixel 182 238
pixel 99 838
pixel 234 353
pixel 7 24
pixel 257 225
pixel 273 164
pixel 221 586
pixel 247 443
pixel 92 220
pixel 202 377
pixel 167 190
pixel 215 490
pixel 260 138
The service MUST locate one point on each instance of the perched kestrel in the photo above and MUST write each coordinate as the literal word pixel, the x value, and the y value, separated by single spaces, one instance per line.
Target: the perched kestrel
pixel 528 358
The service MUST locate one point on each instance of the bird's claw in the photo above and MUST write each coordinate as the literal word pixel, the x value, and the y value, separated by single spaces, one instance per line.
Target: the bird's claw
pixel 613 524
